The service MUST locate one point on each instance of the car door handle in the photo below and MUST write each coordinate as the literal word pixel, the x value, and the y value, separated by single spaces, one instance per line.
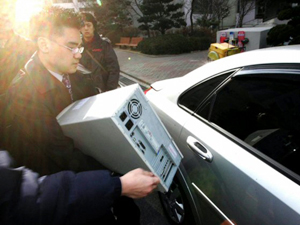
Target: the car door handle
pixel 197 147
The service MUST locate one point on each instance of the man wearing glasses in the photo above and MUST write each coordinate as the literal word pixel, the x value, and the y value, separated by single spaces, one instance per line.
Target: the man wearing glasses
pixel 33 137
pixel 40 92
pixel 38 95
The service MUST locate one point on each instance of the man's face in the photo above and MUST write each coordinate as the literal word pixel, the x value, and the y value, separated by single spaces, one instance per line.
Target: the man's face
pixel 60 59
pixel 7 15
pixel 88 30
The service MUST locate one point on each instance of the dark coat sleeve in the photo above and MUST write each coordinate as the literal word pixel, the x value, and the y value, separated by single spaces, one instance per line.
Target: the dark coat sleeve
pixel 61 198
pixel 77 198
pixel 112 65
pixel 10 182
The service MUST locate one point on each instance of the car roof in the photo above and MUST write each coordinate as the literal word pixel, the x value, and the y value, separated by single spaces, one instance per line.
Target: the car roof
pixel 273 55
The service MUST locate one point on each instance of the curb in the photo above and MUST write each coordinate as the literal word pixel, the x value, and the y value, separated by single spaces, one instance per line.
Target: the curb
pixel 131 77
pixel 156 56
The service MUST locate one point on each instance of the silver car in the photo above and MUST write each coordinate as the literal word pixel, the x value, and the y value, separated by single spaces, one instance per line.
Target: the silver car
pixel 237 123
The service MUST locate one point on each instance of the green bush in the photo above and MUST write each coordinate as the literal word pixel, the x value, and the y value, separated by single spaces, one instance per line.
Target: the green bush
pixel 289 32
pixel 131 32
pixel 200 43
pixel 113 36
pixel 173 44
pixel 205 32
pixel 279 34
pixel 166 44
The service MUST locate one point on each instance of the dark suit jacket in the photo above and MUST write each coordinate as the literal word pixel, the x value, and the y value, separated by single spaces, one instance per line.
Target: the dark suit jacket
pixel 32 133
pixel 13 57
pixel 60 198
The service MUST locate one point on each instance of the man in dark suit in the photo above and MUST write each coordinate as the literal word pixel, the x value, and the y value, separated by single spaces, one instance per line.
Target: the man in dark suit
pixel 37 95
pixel 15 50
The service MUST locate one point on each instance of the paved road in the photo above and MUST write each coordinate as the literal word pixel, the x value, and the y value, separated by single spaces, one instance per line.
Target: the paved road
pixel 151 210
pixel 145 70
pixel 149 69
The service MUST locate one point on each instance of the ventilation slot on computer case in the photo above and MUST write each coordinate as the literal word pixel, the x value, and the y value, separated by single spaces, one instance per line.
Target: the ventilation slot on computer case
pixel 135 108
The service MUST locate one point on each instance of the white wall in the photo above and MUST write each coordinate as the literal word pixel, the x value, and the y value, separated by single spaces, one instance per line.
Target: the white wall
pixel 257 36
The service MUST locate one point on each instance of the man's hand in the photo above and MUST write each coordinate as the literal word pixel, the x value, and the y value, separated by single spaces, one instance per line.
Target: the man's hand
pixel 138 183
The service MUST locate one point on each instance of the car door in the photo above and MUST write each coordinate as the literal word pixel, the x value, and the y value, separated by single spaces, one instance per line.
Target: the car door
pixel 241 148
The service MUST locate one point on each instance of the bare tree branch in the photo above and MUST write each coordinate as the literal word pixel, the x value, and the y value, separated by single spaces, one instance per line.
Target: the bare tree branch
pixel 245 6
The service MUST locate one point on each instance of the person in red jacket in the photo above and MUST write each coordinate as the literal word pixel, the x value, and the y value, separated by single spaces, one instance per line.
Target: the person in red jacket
pixel 99 56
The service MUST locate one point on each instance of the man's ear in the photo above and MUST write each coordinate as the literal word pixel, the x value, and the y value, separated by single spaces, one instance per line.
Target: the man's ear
pixel 43 44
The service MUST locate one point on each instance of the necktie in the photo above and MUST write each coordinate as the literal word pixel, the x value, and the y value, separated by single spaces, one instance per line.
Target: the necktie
pixel 67 83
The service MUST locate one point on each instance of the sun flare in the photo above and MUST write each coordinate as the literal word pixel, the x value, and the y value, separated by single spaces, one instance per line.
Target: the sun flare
pixel 26 8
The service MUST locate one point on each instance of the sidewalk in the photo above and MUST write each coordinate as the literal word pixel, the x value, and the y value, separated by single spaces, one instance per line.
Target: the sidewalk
pixel 149 69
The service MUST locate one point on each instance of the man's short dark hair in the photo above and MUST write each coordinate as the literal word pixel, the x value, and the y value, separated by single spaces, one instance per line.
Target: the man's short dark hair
pixel 88 17
pixel 51 21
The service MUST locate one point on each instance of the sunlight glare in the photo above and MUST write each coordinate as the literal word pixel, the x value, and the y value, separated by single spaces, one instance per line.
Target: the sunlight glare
pixel 26 8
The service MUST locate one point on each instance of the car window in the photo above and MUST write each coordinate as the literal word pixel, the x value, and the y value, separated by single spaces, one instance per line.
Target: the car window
pixel 264 111
pixel 193 97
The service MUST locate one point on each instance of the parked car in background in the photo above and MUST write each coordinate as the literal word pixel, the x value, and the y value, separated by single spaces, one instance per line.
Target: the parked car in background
pixel 237 123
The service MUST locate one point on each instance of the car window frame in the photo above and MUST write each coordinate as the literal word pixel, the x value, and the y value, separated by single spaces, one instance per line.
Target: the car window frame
pixel 271 68
pixel 232 72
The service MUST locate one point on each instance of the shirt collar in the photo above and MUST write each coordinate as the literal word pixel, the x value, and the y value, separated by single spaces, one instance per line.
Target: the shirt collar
pixel 56 75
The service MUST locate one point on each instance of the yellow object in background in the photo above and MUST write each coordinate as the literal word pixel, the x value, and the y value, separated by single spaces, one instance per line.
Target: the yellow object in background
pixel 220 50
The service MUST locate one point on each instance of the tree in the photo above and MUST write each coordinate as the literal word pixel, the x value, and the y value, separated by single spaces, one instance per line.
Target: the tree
pixel 244 7
pixel 136 11
pixel 289 32
pixel 212 12
pixel 161 15
pixel 204 8
pixel 135 7
pixel 189 5
pixel 220 10
pixel 111 14
pixel 191 15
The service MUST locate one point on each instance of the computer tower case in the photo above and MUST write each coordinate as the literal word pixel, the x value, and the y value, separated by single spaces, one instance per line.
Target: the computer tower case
pixel 121 130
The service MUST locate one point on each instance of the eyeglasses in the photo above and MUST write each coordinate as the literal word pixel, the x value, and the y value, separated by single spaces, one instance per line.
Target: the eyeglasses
pixel 73 50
